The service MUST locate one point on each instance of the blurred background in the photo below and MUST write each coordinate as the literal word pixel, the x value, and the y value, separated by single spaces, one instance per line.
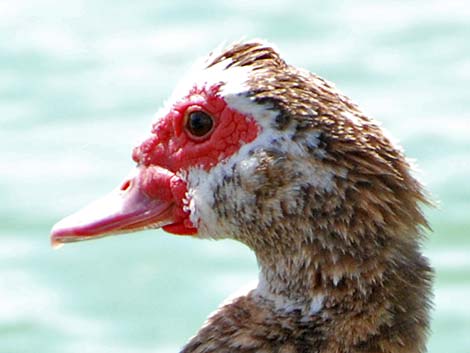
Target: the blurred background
pixel 80 81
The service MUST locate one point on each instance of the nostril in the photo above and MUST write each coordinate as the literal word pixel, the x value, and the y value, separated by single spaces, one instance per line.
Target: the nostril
pixel 126 185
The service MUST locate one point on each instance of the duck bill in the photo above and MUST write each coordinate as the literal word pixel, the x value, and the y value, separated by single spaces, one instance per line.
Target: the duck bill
pixel 127 209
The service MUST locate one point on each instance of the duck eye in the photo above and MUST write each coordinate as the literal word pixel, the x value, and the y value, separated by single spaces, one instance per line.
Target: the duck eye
pixel 199 123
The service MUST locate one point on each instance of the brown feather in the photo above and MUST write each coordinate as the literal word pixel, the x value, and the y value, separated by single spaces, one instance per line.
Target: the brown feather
pixel 357 244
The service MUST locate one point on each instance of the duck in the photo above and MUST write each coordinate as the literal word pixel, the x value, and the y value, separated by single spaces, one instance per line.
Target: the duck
pixel 254 149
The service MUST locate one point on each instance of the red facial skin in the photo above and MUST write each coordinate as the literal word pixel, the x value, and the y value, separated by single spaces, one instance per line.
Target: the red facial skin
pixel 172 147
pixel 155 196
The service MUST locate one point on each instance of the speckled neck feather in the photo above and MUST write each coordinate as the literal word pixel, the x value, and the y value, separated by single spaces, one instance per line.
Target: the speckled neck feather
pixel 341 268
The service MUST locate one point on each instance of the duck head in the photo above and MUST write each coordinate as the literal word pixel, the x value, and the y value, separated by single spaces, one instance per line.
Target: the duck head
pixel 254 149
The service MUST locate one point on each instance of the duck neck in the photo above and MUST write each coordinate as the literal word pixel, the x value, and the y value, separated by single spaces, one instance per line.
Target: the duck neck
pixel 312 274
pixel 287 286
pixel 293 282
pixel 360 293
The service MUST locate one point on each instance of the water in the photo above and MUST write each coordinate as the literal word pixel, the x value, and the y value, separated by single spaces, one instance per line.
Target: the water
pixel 79 84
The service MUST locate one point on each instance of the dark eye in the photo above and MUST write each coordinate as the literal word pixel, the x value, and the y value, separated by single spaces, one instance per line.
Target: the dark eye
pixel 199 123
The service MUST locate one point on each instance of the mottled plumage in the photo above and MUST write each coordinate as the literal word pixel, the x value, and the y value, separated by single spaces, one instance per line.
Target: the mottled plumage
pixel 326 202
pixel 356 243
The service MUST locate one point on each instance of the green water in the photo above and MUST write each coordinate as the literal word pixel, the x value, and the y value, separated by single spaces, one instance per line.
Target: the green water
pixel 79 84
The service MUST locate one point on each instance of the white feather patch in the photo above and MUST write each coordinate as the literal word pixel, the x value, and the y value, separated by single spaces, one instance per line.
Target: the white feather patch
pixel 286 305
pixel 202 184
